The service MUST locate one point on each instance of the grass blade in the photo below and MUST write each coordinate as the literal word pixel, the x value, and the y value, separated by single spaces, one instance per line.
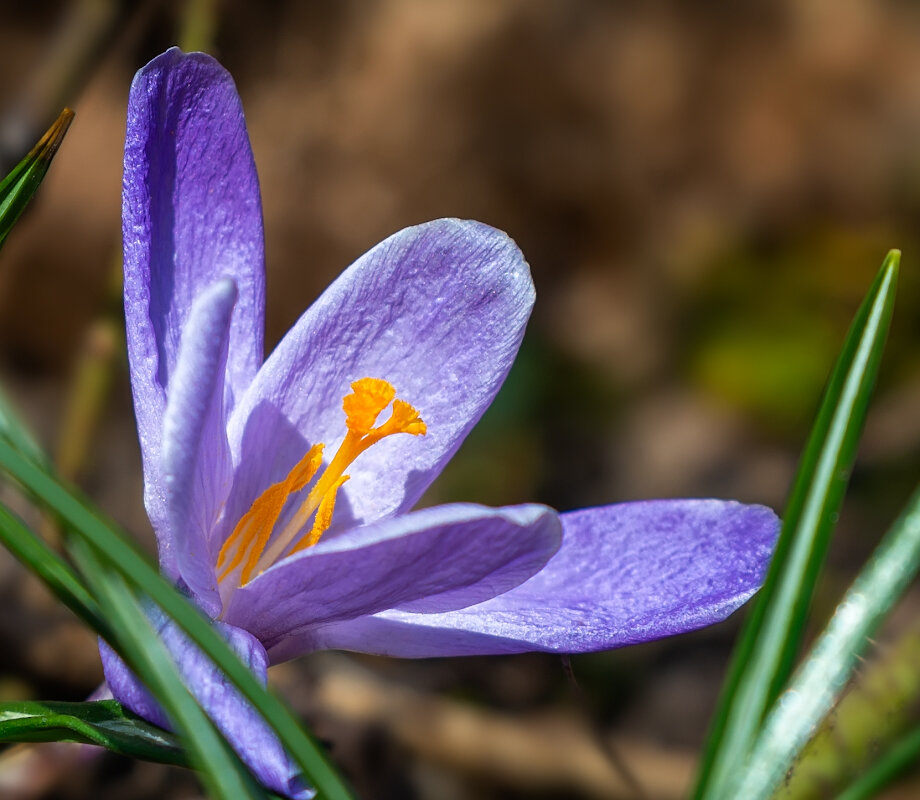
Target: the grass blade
pixel 17 188
pixel 769 642
pixel 898 758
pixel 51 569
pixel 873 713
pixel 222 773
pixel 823 675
pixel 121 555
pixel 105 723
pixel 14 430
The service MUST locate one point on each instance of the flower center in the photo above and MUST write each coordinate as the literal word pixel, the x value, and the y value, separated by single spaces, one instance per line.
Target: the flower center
pixel 248 544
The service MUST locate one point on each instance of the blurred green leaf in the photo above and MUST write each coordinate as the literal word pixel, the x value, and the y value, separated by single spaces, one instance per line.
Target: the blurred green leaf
pixel 103 722
pixel 17 188
pixel 15 431
pixel 126 628
pixel 769 642
pixel 135 640
pixel 877 708
pixel 121 556
pixel 822 676
pixel 902 755
pixel 56 573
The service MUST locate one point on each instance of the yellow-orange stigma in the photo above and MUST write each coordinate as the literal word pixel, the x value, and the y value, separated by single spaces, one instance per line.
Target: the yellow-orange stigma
pixel 249 542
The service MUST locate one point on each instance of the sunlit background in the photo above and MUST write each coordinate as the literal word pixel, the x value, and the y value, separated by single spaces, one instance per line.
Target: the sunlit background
pixel 704 192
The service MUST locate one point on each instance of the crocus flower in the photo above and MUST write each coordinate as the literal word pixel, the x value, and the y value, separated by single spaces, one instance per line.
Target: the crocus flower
pixel 281 492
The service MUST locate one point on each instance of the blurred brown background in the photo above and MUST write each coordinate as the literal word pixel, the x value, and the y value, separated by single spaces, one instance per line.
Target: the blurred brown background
pixel 704 192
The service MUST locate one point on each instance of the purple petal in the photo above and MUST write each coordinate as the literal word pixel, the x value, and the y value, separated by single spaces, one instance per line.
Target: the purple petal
pixel 252 739
pixel 439 311
pixel 196 457
pixel 435 559
pixel 625 574
pixel 191 215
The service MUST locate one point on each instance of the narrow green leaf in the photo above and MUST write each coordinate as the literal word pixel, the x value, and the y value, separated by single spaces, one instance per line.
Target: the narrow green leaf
pixel 17 188
pixel 103 722
pixel 874 712
pixel 769 642
pixel 223 775
pixel 15 431
pixel 819 680
pixel 123 556
pixel 896 760
pixel 56 573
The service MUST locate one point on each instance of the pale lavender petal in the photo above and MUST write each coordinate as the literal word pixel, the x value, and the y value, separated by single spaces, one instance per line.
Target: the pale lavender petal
pixel 625 574
pixel 191 215
pixel 197 470
pixel 253 740
pixel 435 559
pixel 439 311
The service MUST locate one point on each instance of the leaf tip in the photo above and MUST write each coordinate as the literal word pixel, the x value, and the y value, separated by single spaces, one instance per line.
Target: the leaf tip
pixel 51 141
pixel 892 260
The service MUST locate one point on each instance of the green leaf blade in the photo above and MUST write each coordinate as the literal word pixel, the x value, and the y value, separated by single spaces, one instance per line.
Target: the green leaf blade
pixel 56 573
pixel 121 555
pixel 17 188
pixel 824 674
pixel 901 756
pixel 769 642
pixel 105 723
pixel 113 612
pixel 134 639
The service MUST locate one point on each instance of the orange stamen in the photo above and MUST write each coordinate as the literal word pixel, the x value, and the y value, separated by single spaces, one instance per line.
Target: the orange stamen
pixel 368 398
pixel 257 523
pixel 323 517
pixel 251 536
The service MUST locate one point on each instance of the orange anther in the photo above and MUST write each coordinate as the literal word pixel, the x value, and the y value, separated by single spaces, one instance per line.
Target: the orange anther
pixel 252 542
